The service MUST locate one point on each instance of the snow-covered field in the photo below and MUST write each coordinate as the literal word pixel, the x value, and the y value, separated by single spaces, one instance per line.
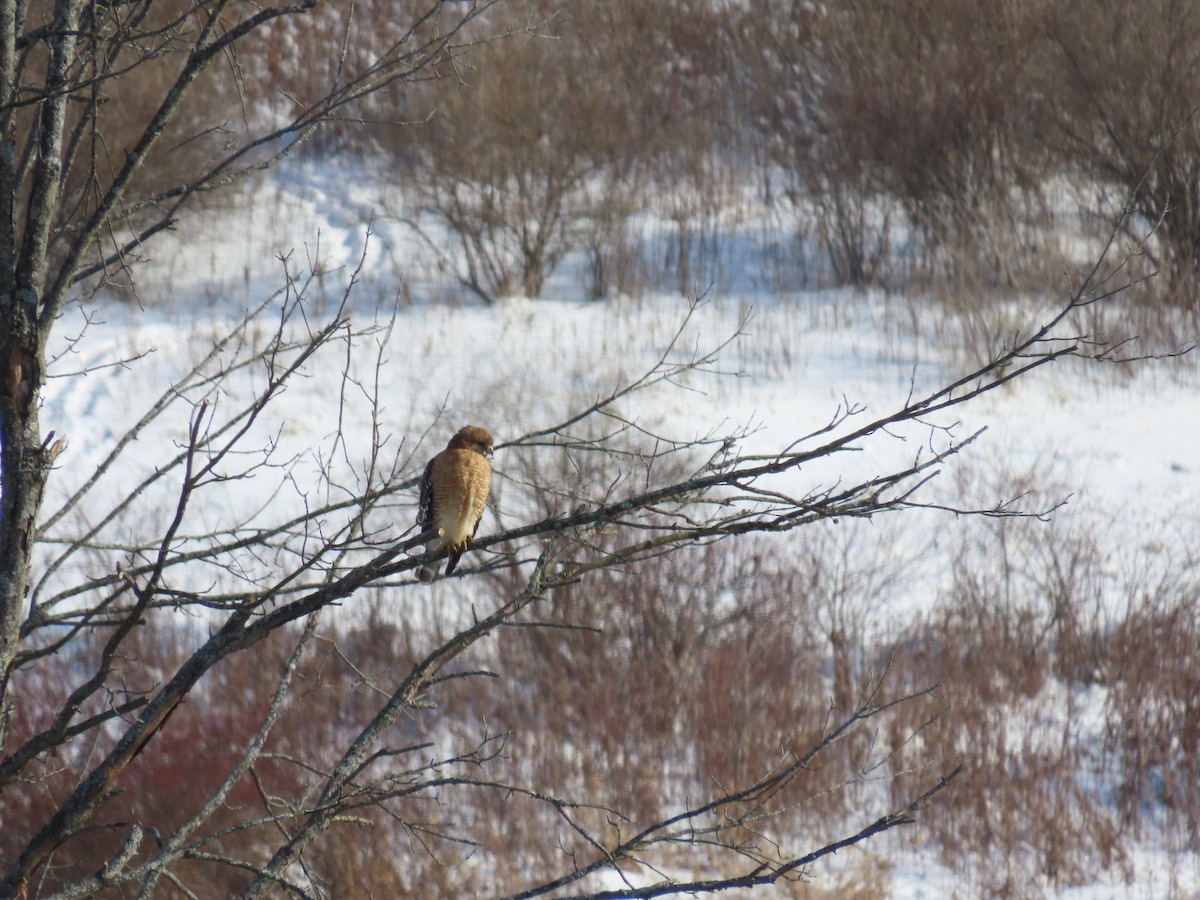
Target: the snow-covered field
pixel 1122 445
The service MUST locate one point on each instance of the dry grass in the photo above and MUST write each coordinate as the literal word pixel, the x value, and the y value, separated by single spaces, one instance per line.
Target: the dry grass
pixel 1074 716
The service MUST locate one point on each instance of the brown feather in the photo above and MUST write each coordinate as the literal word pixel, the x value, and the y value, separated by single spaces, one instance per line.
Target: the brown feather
pixel 453 495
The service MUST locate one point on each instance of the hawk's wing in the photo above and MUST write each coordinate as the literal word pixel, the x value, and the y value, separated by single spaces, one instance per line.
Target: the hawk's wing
pixel 425 508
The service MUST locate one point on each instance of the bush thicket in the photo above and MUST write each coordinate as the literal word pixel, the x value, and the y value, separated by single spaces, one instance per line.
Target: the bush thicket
pixel 928 140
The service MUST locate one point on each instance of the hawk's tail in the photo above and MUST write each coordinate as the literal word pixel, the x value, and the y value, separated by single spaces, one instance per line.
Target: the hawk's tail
pixel 428 573
pixel 452 560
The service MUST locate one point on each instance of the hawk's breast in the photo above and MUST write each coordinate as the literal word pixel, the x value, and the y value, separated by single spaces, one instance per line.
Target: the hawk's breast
pixel 460 490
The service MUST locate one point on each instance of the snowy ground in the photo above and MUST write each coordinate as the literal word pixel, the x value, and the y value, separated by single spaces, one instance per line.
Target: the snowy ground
pixel 1124 446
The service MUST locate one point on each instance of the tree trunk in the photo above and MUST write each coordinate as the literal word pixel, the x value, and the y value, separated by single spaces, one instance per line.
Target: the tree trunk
pixel 24 462
pixel 23 467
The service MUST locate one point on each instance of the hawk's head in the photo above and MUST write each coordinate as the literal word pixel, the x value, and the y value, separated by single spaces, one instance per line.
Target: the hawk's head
pixel 472 438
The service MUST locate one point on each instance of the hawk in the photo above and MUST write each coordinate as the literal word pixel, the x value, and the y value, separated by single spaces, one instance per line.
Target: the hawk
pixel 454 491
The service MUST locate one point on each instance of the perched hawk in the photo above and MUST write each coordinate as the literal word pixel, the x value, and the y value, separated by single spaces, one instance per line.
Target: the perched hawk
pixel 454 490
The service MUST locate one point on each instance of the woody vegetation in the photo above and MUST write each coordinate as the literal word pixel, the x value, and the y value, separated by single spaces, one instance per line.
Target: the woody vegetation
pixel 181 712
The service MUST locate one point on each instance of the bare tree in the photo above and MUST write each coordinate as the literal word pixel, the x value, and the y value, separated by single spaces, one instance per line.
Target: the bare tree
pixel 869 110
pixel 1128 121
pixel 549 144
pixel 56 62
pixel 83 700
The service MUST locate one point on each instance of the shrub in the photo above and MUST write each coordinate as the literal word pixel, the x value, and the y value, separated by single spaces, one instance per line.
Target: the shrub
pixel 1125 88
pixel 923 105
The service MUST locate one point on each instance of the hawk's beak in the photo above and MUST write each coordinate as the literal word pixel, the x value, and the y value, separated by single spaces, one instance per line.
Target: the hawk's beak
pixel 490 450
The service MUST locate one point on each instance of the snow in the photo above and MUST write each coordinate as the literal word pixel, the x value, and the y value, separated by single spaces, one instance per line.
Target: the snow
pixel 1122 445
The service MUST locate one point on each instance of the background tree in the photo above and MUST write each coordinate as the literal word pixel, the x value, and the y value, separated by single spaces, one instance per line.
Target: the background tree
pixel 871 111
pixel 547 146
pixel 1128 122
